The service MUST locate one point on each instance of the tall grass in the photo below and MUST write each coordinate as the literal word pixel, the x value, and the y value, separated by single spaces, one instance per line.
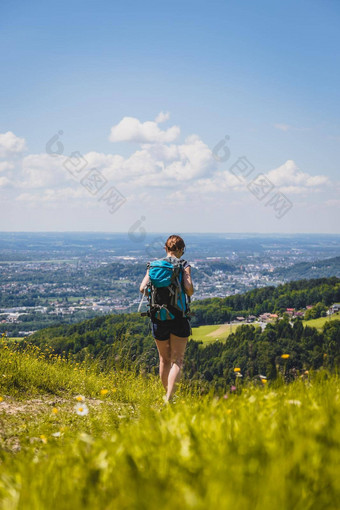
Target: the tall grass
pixel 260 448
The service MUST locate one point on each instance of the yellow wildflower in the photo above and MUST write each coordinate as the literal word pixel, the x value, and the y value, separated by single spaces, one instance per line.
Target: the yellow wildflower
pixel 103 392
pixel 237 369
pixel 55 410
pixel 43 438
pixel 285 356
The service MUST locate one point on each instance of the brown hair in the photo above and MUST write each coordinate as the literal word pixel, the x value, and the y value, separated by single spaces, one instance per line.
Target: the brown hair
pixel 174 243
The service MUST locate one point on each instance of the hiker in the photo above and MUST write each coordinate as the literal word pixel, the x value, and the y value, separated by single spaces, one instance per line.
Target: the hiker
pixel 170 324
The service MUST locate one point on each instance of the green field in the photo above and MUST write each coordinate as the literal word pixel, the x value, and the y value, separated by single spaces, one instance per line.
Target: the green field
pixel 318 323
pixel 118 447
pixel 208 334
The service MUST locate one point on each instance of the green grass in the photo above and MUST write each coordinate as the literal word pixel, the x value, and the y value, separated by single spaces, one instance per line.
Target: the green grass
pixel 319 323
pixel 13 339
pixel 204 333
pixel 260 448
pixel 201 332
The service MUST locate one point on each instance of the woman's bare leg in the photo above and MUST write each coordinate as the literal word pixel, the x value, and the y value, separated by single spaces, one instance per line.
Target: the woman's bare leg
pixel 163 347
pixel 177 349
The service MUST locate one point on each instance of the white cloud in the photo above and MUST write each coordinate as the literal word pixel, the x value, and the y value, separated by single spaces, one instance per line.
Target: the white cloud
pixel 162 117
pixel 283 127
pixel 41 171
pixel 6 165
pixel 4 181
pixel 160 167
pixel 159 164
pixel 11 144
pixel 288 127
pixel 55 195
pixel 289 174
pixel 130 129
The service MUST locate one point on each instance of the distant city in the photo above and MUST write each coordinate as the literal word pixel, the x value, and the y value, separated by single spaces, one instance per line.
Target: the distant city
pixel 55 278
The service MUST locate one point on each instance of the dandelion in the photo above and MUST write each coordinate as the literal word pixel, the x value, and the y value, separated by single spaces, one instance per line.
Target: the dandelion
pixel 82 410
pixel 43 438
pixel 103 392
pixel 55 410
pixel 237 369
pixel 1 399
pixel 264 381
pixel 285 356
pixel 80 398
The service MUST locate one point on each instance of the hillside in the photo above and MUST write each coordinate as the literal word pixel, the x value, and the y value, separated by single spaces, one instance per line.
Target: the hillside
pixel 304 270
pixel 127 338
pixel 73 437
pixel 296 294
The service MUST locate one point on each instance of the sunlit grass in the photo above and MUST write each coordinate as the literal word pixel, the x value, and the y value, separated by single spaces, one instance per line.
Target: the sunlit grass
pixel 267 447
pixel 212 333
pixel 321 321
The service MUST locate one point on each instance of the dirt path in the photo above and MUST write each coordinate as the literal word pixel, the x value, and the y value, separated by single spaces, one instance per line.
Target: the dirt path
pixel 11 406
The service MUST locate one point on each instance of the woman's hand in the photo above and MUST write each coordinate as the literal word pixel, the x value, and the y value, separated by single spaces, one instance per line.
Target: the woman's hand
pixel 144 283
pixel 187 281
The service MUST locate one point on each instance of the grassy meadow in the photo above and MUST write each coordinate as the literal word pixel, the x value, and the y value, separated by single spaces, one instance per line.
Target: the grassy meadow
pixel 74 437
pixel 208 334
pixel 319 323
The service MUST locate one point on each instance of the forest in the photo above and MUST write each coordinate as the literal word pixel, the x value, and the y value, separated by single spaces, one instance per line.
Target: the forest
pixel 297 294
pixel 125 340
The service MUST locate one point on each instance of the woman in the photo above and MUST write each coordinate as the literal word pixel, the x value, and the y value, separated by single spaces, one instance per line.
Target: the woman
pixel 171 336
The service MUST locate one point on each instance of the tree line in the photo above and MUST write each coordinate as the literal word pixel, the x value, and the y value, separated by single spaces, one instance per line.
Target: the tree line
pixel 125 339
pixel 297 294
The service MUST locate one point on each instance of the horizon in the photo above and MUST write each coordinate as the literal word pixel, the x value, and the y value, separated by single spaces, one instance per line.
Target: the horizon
pixel 166 233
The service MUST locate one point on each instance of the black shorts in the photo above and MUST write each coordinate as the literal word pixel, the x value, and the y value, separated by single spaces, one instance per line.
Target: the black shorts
pixel 161 329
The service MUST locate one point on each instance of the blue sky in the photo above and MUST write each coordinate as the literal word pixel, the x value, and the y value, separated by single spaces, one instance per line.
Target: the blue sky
pixel 264 73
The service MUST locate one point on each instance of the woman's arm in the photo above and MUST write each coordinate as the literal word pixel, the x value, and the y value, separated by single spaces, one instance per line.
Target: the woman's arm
pixel 187 281
pixel 144 283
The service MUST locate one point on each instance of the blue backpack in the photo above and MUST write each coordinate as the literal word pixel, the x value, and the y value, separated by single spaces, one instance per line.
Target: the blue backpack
pixel 166 297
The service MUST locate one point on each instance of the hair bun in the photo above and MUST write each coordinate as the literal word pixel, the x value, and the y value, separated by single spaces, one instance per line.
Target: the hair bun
pixel 174 243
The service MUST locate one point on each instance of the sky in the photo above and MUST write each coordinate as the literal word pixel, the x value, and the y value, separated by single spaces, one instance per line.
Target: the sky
pixel 181 116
